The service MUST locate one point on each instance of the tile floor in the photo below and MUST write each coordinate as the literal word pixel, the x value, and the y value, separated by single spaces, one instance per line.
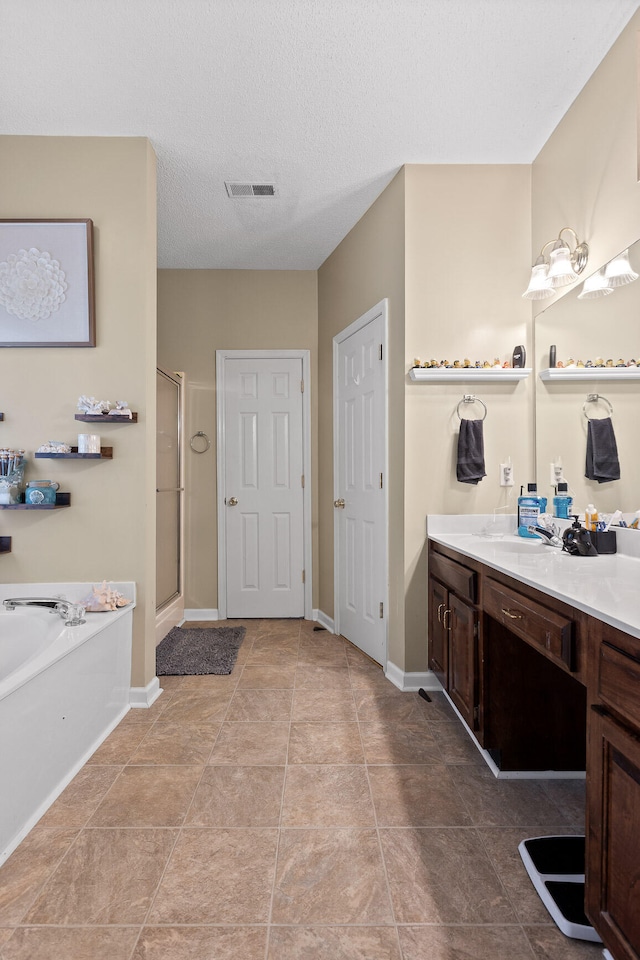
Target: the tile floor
pixel 301 807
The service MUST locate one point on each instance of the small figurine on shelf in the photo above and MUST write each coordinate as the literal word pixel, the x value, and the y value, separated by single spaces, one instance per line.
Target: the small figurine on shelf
pixel 599 362
pixel 417 362
pixel 478 365
pixel 466 362
pixel 496 362
pixel 620 363
pixel 434 363
pixel 632 363
pixel 570 362
pixel 506 365
pixel 580 363
pixel 609 363
pixel 121 410
pixel 92 407
pixel 589 363
pixel 457 364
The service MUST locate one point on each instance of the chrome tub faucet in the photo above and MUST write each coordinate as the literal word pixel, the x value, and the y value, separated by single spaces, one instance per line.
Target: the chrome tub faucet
pixel 71 613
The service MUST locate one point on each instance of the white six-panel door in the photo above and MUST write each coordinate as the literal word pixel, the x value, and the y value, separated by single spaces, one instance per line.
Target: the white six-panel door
pixel 359 507
pixel 263 487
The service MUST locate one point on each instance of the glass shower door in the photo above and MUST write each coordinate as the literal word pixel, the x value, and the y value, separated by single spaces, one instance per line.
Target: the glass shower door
pixel 168 490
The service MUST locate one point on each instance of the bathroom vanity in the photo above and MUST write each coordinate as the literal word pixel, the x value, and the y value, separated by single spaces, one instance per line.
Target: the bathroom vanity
pixel 540 654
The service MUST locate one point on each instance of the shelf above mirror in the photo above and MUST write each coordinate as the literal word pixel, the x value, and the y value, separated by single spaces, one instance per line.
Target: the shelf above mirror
pixel 590 373
pixel 469 374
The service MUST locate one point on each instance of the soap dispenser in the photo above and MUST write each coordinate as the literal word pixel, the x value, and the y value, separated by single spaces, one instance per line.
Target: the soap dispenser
pixel 529 509
pixel 577 541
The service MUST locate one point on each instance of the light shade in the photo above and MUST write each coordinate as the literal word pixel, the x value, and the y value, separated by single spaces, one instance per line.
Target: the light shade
pixel 619 271
pixel 561 269
pixel 597 285
pixel 540 287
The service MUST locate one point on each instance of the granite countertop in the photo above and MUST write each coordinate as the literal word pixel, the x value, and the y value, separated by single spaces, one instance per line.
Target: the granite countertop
pixel 606 587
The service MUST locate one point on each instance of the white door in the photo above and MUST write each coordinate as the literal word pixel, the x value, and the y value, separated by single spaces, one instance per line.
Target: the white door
pixel 263 487
pixel 360 507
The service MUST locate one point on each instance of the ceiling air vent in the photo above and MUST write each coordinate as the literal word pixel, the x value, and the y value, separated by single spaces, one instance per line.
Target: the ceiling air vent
pixel 238 191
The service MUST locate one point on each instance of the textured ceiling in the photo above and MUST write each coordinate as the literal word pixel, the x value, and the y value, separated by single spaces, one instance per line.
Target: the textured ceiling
pixel 325 98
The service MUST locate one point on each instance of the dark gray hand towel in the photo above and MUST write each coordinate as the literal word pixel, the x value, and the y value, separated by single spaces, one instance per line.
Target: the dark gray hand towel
pixel 602 452
pixel 470 467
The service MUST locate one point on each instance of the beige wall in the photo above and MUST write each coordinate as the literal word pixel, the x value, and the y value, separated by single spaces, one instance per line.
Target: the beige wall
pixel 467 248
pixel 586 177
pixel 199 312
pixel 109 530
pixel 364 269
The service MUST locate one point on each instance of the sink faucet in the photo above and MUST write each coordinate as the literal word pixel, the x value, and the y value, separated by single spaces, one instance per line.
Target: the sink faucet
pixel 71 613
pixel 548 537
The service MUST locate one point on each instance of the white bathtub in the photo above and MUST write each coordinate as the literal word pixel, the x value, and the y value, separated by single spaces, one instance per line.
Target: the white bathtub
pixel 62 691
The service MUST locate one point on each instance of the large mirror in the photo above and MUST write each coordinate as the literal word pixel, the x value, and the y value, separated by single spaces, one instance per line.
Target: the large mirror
pixel 606 327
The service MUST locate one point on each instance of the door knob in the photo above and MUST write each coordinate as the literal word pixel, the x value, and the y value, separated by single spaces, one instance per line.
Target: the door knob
pixel 339 503
pixel 232 501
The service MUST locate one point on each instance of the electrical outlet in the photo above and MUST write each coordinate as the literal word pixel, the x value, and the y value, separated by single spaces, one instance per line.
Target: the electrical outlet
pixel 555 473
pixel 506 474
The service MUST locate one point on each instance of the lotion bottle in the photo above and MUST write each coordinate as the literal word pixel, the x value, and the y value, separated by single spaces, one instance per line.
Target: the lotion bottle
pixel 591 517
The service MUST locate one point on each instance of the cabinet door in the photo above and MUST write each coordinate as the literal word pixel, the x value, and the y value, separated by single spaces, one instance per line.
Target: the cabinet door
pixel 438 638
pixel 462 658
pixel 613 835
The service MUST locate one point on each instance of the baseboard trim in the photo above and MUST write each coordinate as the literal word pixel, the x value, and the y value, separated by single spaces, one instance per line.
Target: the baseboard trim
pixel 170 616
pixel 324 620
pixel 410 682
pixel 145 696
pixel 206 613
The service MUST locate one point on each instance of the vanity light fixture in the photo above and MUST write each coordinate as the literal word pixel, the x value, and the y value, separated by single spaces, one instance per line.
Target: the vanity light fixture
pixel 597 285
pixel 563 266
pixel 619 271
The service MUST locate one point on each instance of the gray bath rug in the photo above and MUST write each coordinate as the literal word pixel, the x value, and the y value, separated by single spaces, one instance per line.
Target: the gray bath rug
pixel 193 651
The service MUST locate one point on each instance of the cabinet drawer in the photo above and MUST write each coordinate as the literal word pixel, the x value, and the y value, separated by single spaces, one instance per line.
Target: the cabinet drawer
pixel 531 621
pixel 619 682
pixel 459 578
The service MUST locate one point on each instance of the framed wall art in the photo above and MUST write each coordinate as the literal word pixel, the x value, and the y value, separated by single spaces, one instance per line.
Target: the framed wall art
pixel 46 283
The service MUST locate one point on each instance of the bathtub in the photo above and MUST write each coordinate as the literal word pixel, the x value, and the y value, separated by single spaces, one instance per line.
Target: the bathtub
pixel 62 691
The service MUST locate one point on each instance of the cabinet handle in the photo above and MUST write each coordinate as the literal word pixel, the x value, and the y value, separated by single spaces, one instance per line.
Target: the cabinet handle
pixel 512 615
pixel 446 622
pixel 440 606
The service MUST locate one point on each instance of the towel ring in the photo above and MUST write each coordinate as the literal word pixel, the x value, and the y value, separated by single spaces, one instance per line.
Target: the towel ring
pixel 594 398
pixel 469 398
pixel 200 436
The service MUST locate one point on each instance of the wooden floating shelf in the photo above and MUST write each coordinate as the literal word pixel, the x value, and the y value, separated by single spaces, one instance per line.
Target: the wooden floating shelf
pixel 62 500
pixel 106 418
pixel 471 374
pixel 106 453
pixel 589 373
pixel 5 544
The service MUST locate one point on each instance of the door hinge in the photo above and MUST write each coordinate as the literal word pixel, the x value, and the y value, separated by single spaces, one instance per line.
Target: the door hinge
pixel 302 479
pixel 476 630
pixel 380 352
pixel 303 580
pixel 476 713
pixel 381 611
pixel 381 481
pixel 302 386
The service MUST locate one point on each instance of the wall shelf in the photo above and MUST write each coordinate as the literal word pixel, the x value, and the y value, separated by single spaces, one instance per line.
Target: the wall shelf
pixel 106 418
pixel 566 374
pixel 106 453
pixel 468 374
pixel 5 544
pixel 62 500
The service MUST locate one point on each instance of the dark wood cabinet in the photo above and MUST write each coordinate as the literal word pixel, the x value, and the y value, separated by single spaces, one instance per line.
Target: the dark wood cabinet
pixel 543 685
pixel 453 633
pixel 613 791
pixel 613 834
